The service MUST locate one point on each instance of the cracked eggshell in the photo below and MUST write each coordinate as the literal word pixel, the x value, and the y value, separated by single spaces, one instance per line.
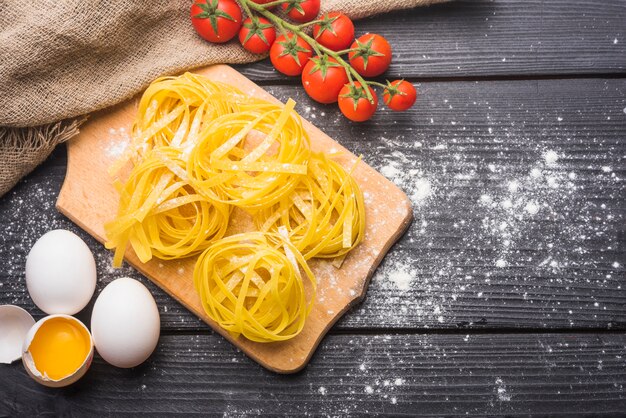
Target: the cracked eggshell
pixel 14 325
pixel 29 364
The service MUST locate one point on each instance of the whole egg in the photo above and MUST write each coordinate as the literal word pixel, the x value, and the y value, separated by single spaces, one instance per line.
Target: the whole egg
pixel 125 323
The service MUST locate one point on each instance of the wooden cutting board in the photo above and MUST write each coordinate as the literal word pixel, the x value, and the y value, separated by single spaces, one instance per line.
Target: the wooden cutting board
pixel 89 199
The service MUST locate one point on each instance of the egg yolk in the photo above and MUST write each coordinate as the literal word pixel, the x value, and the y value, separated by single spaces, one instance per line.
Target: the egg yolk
pixel 59 347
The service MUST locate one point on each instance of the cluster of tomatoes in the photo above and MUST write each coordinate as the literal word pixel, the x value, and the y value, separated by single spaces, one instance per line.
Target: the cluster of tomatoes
pixel 326 76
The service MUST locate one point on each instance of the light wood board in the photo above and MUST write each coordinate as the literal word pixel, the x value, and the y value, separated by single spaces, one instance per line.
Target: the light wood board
pixel 89 199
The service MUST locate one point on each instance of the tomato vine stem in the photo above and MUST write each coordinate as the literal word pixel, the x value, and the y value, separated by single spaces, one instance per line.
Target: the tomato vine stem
pixel 312 22
pixel 246 9
pixel 271 4
pixel 283 25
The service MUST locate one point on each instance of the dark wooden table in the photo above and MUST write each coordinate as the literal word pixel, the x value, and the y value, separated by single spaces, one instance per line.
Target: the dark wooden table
pixel 508 293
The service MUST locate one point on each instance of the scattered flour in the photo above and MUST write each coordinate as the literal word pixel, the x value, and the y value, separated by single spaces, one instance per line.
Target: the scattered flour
pixel 550 157
pixel 532 208
pixel 402 277
pixel 535 173
pixel 422 190
pixel 419 189
pixel 514 186
pixel 501 391
pixel 117 143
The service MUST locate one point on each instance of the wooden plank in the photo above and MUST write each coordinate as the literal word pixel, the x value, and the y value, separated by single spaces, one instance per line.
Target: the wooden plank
pixel 435 375
pixel 564 265
pixel 497 38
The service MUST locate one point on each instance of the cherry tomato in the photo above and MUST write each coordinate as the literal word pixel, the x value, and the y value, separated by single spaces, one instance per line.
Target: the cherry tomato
pixel 335 31
pixel 257 35
pixel 323 78
pixel 372 55
pixel 216 21
pixel 399 95
pixel 301 10
pixel 290 55
pixel 354 104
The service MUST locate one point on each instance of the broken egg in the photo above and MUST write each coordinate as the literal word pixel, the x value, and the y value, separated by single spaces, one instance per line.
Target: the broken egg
pixel 14 325
pixel 57 350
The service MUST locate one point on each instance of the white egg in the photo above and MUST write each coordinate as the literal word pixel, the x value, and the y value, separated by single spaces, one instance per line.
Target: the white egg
pixel 125 323
pixel 60 273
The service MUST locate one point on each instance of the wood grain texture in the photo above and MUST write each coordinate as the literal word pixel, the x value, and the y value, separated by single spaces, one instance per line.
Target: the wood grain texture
pixel 496 38
pixel 89 198
pixel 552 374
pixel 452 248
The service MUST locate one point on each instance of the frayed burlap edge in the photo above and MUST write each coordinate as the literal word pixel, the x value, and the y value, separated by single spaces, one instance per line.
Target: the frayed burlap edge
pixel 23 149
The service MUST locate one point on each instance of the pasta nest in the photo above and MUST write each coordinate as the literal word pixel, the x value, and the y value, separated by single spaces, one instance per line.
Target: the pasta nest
pixel 250 284
pixel 324 215
pixel 160 215
pixel 253 158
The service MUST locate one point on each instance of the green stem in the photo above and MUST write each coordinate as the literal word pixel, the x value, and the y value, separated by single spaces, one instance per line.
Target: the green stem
pixel 319 48
pixel 315 47
pixel 271 4
pixel 376 83
pixel 247 9
pixel 350 78
pixel 345 51
pixel 312 22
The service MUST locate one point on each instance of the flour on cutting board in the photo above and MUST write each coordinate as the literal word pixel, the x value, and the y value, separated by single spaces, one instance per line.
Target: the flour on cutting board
pixel 116 143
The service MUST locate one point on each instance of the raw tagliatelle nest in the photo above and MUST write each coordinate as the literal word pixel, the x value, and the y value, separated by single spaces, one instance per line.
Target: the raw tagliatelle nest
pixel 325 213
pixel 250 284
pixel 201 148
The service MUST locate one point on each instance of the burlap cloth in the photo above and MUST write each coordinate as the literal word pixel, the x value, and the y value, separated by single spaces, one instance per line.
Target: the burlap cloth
pixel 60 59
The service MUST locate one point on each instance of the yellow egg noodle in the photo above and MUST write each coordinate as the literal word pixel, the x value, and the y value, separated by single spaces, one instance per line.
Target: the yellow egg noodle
pixel 256 176
pixel 160 215
pixel 172 112
pixel 200 148
pixel 250 287
pixel 324 215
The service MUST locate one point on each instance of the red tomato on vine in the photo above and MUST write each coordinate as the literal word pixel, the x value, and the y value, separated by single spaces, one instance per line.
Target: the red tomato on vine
pixel 371 56
pixel 399 95
pixel 354 104
pixel 301 10
pixel 257 35
pixel 323 78
pixel 290 54
pixel 216 21
pixel 335 31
